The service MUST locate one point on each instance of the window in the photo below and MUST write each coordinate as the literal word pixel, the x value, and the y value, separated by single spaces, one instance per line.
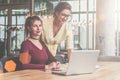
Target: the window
pixel 83 21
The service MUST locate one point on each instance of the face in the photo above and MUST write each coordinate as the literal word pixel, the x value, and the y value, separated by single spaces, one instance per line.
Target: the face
pixel 36 28
pixel 63 16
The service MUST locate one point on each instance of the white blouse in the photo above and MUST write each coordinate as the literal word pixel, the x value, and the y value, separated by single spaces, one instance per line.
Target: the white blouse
pixel 51 41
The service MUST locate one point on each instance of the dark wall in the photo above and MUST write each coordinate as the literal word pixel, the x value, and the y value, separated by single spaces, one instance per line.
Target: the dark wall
pixel 2 49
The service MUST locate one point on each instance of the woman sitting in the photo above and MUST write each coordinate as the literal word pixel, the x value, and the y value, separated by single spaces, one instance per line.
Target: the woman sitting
pixel 34 53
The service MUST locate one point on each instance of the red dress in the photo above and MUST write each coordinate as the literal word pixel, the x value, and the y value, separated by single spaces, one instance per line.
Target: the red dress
pixel 39 58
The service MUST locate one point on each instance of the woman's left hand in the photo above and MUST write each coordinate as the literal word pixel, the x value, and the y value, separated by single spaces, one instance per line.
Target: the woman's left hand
pixel 58 64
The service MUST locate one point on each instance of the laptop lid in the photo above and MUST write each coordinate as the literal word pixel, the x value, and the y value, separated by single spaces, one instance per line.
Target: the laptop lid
pixel 82 61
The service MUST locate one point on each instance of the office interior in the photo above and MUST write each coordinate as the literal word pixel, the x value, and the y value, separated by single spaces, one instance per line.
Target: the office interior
pixel 95 24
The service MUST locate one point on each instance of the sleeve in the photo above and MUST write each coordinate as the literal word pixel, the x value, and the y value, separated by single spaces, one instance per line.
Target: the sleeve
pixel 33 66
pixel 24 47
pixel 24 56
pixel 26 60
pixel 69 40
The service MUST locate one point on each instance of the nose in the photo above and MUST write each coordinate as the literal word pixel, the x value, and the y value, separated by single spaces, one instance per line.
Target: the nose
pixel 39 28
pixel 65 18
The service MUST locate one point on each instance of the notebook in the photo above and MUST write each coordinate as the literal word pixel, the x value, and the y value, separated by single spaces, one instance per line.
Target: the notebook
pixel 81 62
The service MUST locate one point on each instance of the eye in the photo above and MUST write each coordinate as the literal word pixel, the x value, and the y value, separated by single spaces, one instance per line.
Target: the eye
pixel 65 15
pixel 34 25
pixel 40 25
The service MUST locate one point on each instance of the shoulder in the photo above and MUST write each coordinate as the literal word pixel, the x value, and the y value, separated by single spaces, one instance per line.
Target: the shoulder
pixel 47 22
pixel 26 42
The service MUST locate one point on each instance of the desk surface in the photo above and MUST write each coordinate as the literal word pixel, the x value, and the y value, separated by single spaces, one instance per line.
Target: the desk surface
pixel 107 71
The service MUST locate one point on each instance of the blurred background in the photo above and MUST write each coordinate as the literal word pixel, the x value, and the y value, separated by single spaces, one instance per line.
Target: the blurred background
pixel 96 24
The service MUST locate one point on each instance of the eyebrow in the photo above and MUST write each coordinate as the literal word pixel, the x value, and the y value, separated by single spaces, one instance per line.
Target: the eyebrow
pixel 65 14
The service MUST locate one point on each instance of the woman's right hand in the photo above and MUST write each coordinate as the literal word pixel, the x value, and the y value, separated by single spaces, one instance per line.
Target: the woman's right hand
pixel 51 66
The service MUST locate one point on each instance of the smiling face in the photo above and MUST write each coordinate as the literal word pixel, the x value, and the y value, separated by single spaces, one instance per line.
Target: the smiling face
pixel 63 16
pixel 36 28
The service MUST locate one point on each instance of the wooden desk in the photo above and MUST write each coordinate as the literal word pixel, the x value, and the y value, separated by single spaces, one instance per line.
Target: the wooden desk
pixel 107 71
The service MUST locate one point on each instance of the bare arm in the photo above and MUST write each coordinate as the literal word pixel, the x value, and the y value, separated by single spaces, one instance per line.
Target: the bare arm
pixel 69 53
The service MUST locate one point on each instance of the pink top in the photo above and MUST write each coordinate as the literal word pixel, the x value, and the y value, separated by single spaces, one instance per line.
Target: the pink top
pixel 39 58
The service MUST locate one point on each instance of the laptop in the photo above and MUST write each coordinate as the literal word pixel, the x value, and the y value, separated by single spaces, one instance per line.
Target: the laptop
pixel 81 62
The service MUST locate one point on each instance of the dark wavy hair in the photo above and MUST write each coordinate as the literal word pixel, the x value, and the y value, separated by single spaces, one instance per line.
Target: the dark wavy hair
pixel 61 6
pixel 29 22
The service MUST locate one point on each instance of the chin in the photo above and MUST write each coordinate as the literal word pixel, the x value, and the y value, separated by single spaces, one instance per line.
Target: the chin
pixel 38 34
pixel 62 22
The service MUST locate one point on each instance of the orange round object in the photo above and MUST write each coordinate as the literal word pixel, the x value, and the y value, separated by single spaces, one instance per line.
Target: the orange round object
pixel 10 65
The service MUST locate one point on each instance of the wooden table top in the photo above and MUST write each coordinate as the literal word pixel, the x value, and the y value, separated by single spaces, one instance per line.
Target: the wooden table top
pixel 106 71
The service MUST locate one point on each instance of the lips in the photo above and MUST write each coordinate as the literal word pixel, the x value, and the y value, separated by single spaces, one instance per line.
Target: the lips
pixel 38 31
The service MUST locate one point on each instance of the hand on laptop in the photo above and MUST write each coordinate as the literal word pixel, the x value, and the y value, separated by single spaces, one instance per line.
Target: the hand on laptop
pixel 58 64
pixel 53 65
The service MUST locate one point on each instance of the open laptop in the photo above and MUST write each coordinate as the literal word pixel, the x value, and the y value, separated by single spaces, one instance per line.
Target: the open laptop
pixel 81 62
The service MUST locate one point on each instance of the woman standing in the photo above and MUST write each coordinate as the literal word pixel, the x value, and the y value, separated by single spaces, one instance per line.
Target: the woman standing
pixel 57 29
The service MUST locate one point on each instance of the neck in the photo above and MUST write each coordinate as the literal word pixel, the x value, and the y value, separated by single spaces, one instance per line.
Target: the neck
pixel 35 38
pixel 57 23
